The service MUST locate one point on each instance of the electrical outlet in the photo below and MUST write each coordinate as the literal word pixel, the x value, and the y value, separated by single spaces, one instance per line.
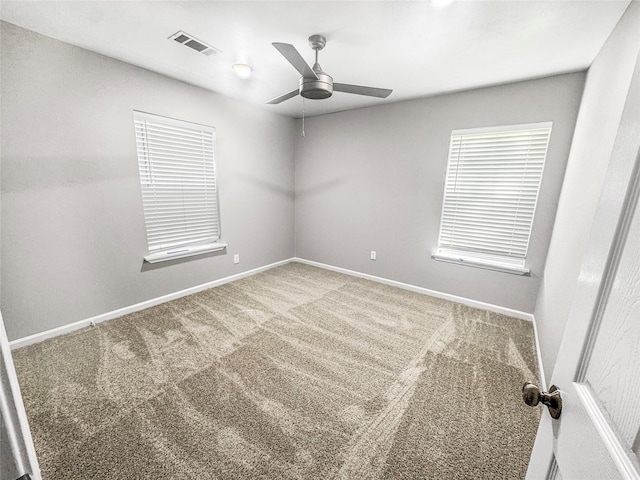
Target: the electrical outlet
pixel 236 258
pixel 374 255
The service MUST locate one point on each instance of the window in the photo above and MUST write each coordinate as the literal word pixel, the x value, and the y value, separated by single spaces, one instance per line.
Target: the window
pixel 490 195
pixel 179 192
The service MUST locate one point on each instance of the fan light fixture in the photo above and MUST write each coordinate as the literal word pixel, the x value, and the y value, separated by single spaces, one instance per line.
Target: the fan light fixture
pixel 314 83
pixel 242 70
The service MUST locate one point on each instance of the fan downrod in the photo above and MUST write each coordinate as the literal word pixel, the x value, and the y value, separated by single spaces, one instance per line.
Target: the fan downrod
pixel 314 83
pixel 322 87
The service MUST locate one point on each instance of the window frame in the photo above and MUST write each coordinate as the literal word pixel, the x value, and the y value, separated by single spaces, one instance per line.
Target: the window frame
pixel 167 239
pixel 461 249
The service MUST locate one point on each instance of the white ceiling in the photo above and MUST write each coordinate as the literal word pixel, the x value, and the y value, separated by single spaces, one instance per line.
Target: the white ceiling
pixel 413 47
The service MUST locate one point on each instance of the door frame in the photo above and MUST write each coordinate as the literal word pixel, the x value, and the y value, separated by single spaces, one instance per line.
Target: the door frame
pixel 618 199
pixel 19 456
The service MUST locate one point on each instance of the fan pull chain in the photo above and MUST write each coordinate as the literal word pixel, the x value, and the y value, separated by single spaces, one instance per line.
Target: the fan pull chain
pixel 302 117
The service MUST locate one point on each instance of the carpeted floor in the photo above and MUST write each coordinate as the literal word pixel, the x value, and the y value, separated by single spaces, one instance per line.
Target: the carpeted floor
pixel 293 373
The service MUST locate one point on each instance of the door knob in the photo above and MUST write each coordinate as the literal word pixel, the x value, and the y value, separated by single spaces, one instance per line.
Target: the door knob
pixel 532 395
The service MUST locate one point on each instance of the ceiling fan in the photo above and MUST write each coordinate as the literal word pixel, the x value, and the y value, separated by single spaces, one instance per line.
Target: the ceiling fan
pixel 314 83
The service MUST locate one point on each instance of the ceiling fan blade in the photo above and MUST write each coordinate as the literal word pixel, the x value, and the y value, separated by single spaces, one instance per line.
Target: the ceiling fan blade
pixel 294 58
pixel 360 90
pixel 282 98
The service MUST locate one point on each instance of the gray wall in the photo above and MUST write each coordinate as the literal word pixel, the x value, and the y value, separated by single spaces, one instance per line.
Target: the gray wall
pixel 372 179
pixel 73 234
pixel 605 92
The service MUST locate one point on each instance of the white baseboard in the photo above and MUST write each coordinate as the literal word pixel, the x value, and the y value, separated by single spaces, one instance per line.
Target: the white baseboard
pixel 54 332
pixel 39 337
pixel 445 296
pixel 433 293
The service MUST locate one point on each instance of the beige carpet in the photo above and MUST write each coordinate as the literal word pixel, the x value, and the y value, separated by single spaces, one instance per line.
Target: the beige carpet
pixel 294 373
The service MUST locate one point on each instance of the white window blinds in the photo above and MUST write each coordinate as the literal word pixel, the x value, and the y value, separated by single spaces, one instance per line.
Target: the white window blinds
pixel 178 180
pixel 490 195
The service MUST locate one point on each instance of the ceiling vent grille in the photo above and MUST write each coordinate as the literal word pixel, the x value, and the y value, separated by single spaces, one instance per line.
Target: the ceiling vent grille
pixel 191 42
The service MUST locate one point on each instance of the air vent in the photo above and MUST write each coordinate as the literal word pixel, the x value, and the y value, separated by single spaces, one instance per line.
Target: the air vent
pixel 191 42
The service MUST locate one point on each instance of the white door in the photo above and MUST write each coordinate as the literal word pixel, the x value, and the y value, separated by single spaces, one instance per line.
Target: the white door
pixel 598 369
pixel 17 454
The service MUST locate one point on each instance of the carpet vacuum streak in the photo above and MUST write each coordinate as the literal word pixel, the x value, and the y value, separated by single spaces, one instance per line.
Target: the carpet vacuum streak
pixel 293 373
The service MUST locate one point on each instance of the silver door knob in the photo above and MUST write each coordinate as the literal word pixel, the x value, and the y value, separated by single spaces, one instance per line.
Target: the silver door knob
pixel 532 395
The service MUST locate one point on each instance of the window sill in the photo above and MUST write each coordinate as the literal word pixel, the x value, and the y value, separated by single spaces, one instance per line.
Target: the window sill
pixel 487 265
pixel 183 252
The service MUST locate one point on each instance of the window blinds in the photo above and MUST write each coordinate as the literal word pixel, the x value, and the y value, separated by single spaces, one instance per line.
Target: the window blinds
pixel 490 194
pixel 178 180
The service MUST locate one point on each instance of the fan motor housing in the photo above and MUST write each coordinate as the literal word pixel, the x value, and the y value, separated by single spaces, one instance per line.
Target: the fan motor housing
pixel 316 89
